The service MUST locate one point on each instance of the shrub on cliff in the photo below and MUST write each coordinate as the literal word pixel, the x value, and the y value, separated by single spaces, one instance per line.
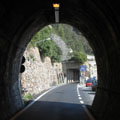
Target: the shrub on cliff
pixel 50 49
pixel 46 46
pixel 79 57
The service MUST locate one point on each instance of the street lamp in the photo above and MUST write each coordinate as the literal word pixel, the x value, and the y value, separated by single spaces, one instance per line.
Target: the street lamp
pixel 43 40
pixel 56 7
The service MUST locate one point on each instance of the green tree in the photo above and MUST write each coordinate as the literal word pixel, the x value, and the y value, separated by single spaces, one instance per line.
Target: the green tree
pixel 46 47
pixel 73 38
pixel 79 57
pixel 50 49
pixel 39 36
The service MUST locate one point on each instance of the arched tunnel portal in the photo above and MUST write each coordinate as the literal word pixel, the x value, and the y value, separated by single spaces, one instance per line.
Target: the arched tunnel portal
pixel 99 21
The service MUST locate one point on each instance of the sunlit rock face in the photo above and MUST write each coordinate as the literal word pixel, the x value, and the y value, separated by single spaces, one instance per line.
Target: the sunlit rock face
pixel 39 75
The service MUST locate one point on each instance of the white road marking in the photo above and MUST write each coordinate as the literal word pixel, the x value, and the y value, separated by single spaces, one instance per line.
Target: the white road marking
pixel 79 86
pixel 86 110
pixel 80 98
pixel 81 102
pixel 24 109
pixel 88 113
pixel 78 90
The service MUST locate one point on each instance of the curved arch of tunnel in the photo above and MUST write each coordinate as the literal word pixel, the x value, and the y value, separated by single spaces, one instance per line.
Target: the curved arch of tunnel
pixel 96 25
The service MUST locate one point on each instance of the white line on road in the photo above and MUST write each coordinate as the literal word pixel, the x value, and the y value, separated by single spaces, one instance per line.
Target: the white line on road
pixel 81 102
pixel 80 98
pixel 78 90
pixel 24 109
pixel 86 110
pixel 79 86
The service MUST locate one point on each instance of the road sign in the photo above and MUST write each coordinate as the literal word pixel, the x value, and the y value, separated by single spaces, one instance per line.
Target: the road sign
pixel 83 68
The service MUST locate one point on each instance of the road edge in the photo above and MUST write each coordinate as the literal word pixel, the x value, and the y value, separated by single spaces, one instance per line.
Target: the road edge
pixel 30 104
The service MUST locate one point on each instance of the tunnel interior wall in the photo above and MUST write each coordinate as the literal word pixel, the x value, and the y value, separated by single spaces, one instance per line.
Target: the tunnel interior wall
pixel 99 23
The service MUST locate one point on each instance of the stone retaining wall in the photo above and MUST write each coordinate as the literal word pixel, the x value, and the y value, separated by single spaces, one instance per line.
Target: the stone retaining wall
pixel 39 75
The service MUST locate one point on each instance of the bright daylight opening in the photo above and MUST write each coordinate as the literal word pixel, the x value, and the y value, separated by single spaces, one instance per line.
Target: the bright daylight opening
pixel 59 55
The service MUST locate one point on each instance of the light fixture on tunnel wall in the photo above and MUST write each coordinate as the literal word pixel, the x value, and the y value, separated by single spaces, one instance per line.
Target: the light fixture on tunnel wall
pixel 22 68
pixel 56 7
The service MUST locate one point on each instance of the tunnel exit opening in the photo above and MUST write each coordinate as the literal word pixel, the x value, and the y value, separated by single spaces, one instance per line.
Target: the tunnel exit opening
pixel 76 72
pixel 99 23
pixel 64 68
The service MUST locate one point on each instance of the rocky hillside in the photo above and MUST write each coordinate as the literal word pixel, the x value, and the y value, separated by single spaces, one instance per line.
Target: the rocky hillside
pixel 73 38
pixel 62 45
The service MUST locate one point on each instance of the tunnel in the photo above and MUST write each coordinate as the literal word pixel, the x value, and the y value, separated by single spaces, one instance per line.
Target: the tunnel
pixel 99 22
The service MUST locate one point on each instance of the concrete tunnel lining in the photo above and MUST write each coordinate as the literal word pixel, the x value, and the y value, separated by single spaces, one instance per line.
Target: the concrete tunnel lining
pixel 94 19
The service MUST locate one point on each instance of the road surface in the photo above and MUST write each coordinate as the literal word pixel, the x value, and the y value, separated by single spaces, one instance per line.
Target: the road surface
pixel 66 102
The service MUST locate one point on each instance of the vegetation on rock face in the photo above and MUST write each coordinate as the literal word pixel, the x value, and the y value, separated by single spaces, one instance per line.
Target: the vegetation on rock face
pixel 74 40
pixel 79 57
pixel 46 46
pixel 50 49
pixel 28 97
pixel 40 36
pixel 71 36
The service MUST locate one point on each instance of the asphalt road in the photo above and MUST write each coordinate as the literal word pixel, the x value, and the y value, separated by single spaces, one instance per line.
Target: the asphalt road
pixel 66 102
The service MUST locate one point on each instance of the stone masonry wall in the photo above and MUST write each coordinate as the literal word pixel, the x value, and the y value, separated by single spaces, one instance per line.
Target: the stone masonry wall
pixel 39 75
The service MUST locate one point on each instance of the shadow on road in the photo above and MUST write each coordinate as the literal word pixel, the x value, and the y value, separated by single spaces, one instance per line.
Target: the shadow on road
pixel 42 110
pixel 92 93
pixel 89 91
